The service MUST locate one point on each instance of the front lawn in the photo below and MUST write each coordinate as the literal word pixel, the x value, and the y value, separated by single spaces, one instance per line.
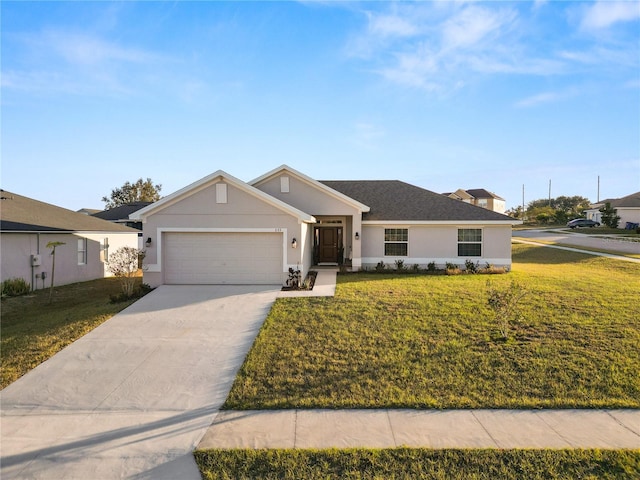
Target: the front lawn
pixel 418 341
pixel 419 463
pixel 34 329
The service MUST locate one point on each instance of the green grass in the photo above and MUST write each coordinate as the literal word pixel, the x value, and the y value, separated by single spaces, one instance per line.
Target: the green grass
pixel 411 341
pixel 404 463
pixel 34 330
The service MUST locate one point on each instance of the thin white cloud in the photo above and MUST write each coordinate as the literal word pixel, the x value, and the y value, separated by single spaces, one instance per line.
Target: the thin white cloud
pixel 367 134
pixel 541 98
pixel 391 25
pixel 604 14
pixel 473 24
pixel 78 63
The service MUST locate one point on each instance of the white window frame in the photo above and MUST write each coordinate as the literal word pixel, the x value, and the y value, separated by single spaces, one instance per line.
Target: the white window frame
pixel 82 251
pixel 396 241
pixel 469 241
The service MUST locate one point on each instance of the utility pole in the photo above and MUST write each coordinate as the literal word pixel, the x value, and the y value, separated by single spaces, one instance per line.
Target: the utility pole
pixel 598 199
pixel 523 202
pixel 549 192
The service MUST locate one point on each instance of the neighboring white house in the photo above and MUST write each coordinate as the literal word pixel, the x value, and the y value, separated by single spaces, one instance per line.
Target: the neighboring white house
pixel 27 226
pixel 480 198
pixel 628 208
pixel 223 230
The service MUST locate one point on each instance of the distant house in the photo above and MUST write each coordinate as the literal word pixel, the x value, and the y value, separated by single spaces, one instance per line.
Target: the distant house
pixel 28 225
pixel 121 214
pixel 480 198
pixel 89 211
pixel 222 230
pixel 628 208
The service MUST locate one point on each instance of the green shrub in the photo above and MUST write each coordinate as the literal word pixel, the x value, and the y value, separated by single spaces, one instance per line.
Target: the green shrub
pixel 14 287
pixel 431 267
pixel 380 267
pixel 470 266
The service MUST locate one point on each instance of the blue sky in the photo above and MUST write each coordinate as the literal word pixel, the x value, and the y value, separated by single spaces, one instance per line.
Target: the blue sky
pixel 443 95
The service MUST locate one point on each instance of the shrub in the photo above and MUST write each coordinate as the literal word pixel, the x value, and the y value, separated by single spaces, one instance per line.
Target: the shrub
pixel 294 278
pixel 431 267
pixel 13 287
pixel 380 267
pixel 123 263
pixel 416 268
pixel 470 266
pixel 400 265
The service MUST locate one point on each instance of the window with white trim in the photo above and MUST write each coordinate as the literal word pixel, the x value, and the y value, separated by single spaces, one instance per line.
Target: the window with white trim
pixel 82 251
pixel 396 242
pixel 469 242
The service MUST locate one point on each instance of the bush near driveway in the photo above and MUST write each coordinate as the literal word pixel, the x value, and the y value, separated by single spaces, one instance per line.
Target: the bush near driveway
pixel 414 341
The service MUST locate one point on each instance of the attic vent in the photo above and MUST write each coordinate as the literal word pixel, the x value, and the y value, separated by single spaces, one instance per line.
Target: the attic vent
pixel 284 184
pixel 221 193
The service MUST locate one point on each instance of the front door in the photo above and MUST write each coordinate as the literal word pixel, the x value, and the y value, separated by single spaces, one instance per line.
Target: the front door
pixel 329 242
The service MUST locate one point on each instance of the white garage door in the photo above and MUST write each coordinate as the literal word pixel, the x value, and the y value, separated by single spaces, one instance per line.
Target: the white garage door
pixel 219 258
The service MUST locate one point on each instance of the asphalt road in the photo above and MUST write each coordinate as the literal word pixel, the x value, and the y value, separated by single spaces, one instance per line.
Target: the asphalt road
pixel 578 239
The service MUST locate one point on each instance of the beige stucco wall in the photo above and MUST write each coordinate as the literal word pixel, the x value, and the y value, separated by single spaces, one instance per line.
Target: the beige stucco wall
pixel 317 202
pixel 242 212
pixel 438 243
pixel 16 250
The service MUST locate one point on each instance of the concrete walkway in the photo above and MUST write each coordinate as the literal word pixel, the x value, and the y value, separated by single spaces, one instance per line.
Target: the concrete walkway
pixel 604 429
pixel 133 398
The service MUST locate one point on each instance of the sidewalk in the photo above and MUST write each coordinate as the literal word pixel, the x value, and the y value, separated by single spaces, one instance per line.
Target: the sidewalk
pixel 605 429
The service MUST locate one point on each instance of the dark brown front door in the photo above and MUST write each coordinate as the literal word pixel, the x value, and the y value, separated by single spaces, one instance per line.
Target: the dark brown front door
pixel 328 243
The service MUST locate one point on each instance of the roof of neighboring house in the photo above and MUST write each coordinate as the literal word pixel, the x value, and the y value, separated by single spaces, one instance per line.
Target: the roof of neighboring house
pixel 473 193
pixel 89 211
pixel 482 193
pixel 395 200
pixel 122 212
pixel 630 201
pixel 23 214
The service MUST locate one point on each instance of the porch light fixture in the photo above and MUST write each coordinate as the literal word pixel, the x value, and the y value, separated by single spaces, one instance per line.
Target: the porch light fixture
pixel 357 236
pixel 294 243
pixel 148 242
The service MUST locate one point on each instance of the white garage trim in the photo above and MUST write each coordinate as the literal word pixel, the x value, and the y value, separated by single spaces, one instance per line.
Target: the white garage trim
pixel 157 267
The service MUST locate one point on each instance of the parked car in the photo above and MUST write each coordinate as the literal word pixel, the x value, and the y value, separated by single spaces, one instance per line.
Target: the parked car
pixel 582 222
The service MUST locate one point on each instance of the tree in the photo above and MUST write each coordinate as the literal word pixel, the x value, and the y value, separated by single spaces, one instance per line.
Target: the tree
pixel 52 246
pixel 609 216
pixel 559 209
pixel 140 191
pixel 123 263
pixel 505 305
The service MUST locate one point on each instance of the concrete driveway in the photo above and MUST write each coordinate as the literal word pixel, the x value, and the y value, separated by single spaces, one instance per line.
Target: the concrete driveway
pixel 134 397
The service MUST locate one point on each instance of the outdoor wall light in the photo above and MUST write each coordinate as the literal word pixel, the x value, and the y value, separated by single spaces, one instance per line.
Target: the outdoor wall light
pixel 294 243
pixel 148 242
pixel 357 236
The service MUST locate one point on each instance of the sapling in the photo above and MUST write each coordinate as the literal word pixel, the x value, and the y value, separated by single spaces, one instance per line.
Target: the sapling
pixel 505 305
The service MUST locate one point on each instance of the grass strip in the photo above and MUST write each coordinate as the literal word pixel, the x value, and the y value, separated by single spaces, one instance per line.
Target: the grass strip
pixel 420 341
pixel 34 330
pixel 403 463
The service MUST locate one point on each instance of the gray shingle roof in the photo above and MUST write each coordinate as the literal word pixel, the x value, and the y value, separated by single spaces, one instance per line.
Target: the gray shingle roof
pixel 23 214
pixel 395 200
pixel 482 193
pixel 122 212
pixel 632 200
